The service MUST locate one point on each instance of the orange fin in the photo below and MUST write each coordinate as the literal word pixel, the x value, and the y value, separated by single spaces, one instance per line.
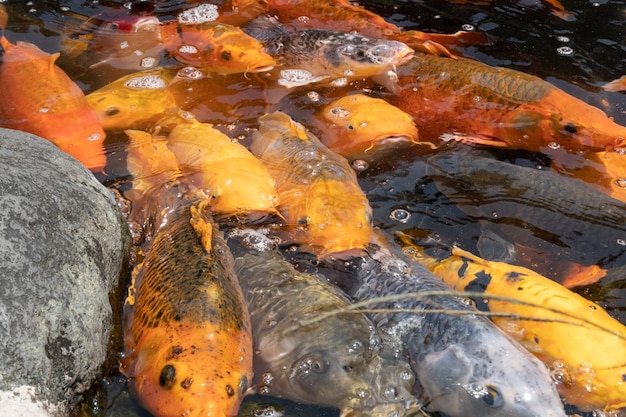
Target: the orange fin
pixel 201 225
pixel 583 275
pixel 476 140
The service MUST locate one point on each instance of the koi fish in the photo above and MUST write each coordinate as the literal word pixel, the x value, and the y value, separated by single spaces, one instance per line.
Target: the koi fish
pixel 467 100
pixel 582 345
pixel 216 47
pixel 320 197
pixel 338 362
pixel 38 97
pixel 363 127
pixel 464 364
pixel 314 55
pixel 236 180
pixel 344 16
pixel 541 209
pixel 134 101
pixel 187 334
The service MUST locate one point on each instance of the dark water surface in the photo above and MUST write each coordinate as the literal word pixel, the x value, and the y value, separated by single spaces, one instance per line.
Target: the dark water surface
pixel 578 49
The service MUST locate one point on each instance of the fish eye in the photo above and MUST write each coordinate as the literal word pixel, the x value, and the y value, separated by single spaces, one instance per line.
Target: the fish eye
pixel 570 127
pixel 226 55
pixel 114 26
pixel 360 53
pixel 492 397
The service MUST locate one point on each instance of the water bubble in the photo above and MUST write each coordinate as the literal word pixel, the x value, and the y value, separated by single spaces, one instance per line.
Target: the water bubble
pixel 390 393
pixel 339 82
pixel 264 390
pixel 203 13
pixel 621 242
pixel 553 145
pixel 93 137
pixel 303 19
pixel 355 346
pixel 360 165
pixel 191 73
pixel 362 393
pixel 148 82
pixel 564 51
pixel 148 62
pixel 44 110
pixel 340 112
pixel 563 39
pixel 400 215
pixel 495 214
pixel 313 96
pixel 621 182
pixel 267 378
pixel 124 44
pixel 188 49
pixel 296 76
pixel 467 27
pixel 363 124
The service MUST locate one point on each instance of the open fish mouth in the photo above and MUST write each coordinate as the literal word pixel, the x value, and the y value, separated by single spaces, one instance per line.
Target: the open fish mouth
pixel 262 68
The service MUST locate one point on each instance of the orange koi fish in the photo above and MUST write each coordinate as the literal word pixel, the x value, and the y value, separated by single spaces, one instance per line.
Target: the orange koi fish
pixel 320 197
pixel 187 334
pixel 363 127
pixel 584 347
pixel 467 100
pixel 216 47
pixel 134 101
pixel 238 183
pixel 38 97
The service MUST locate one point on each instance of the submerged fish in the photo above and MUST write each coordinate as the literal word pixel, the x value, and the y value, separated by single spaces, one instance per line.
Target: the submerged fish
pixel 320 197
pixel 582 345
pixel 216 47
pixel 560 216
pixel 465 365
pixel 187 334
pixel 315 55
pixel 134 101
pixel 467 100
pixel 337 362
pixel 38 97
pixel 238 183
pixel 363 127
pixel 616 85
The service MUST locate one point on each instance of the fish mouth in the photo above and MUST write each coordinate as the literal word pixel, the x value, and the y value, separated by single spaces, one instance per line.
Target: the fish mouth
pixel 404 56
pixel 261 68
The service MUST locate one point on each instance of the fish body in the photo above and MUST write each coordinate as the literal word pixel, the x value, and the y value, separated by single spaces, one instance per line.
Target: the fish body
pixel 320 197
pixel 216 47
pixel 465 366
pixel 584 347
pixel 536 208
pixel 618 84
pixel 236 180
pixel 134 101
pixel 362 127
pixel 336 362
pixel 315 55
pixel 478 103
pixel 38 97
pixel 187 334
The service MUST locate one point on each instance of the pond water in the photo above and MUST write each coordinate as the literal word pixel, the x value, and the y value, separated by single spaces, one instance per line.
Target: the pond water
pixel 578 48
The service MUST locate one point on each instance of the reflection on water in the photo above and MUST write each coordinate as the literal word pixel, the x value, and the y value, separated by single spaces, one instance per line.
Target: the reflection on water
pixel 578 48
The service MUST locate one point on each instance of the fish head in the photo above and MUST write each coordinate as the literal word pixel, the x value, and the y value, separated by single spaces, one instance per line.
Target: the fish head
pixel 561 120
pixel 357 56
pixel 187 376
pixel 131 101
pixel 510 383
pixel 221 48
pixel 126 40
pixel 364 127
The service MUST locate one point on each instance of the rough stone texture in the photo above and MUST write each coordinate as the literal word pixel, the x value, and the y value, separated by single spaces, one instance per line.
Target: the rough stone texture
pixel 63 246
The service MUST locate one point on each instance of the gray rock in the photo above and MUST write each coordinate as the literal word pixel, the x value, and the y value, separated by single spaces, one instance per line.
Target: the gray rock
pixel 63 247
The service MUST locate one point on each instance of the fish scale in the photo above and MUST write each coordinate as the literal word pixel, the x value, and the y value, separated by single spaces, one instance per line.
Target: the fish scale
pixel 540 208
pixel 465 366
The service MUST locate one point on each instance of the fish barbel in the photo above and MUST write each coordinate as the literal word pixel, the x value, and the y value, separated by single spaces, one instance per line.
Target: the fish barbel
pixel 464 364
pixel 541 209
pixel 313 55
pixel 582 345
pixel 477 103
pixel 320 197
pixel 38 97
pixel 362 127
pixel 338 362
pixel 187 335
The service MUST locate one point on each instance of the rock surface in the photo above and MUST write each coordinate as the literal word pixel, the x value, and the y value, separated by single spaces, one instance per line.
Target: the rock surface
pixel 63 248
